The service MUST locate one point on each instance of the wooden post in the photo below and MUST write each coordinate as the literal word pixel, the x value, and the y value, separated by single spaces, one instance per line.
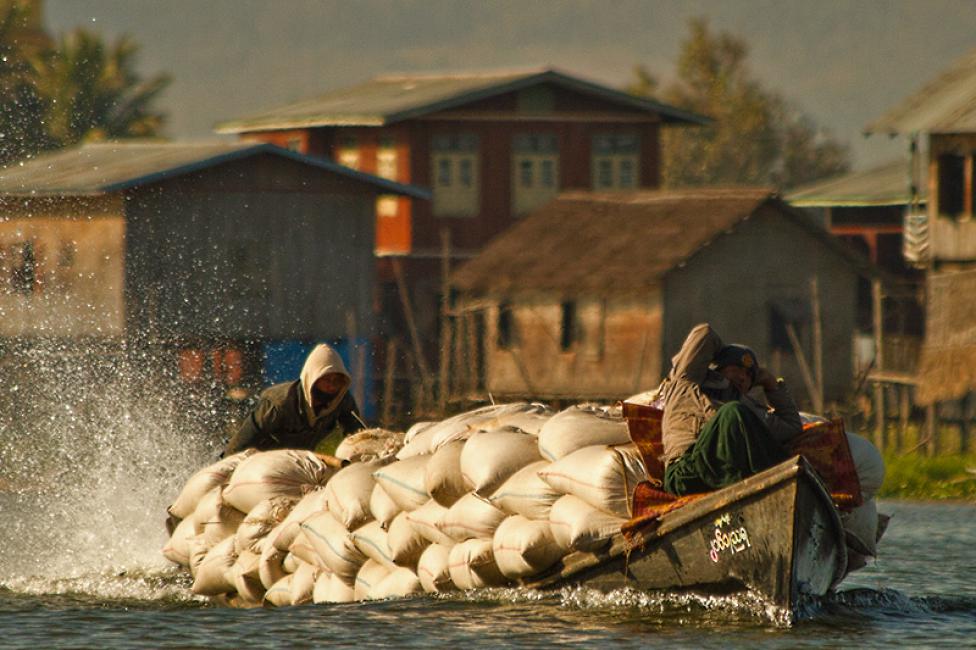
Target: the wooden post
pixel 445 350
pixel 904 411
pixel 357 359
pixel 472 352
pixel 817 342
pixel 412 327
pixel 930 427
pixel 801 359
pixel 879 409
pixel 965 428
pixel 389 377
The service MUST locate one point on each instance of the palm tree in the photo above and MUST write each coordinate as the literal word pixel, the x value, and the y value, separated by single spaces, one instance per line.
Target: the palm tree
pixel 21 112
pixel 91 91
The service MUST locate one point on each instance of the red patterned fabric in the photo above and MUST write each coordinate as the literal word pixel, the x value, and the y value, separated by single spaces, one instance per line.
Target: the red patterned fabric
pixel 824 445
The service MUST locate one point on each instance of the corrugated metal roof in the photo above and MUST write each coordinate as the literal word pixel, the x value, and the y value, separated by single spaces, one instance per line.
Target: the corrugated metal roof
pixel 116 166
pixel 389 99
pixel 947 104
pixel 616 243
pixel 887 184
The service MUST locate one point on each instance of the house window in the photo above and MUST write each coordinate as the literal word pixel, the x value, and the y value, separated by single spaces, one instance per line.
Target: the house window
pixel 535 168
pixel 506 327
pixel 347 152
pixel 386 206
pixel 23 271
pixel 784 314
pixel 294 144
pixel 952 183
pixel 568 332
pixel 386 160
pixel 615 162
pixel 454 161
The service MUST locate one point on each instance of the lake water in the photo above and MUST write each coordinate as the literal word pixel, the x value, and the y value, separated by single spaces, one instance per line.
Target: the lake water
pixel 66 583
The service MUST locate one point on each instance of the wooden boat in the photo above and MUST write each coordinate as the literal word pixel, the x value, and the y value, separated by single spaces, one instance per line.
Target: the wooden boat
pixel 777 534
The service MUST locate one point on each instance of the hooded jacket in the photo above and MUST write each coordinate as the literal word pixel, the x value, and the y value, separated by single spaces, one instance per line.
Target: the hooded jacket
pixel 692 394
pixel 285 418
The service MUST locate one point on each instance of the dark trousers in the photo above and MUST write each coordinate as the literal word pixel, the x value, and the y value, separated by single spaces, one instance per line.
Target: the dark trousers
pixel 733 444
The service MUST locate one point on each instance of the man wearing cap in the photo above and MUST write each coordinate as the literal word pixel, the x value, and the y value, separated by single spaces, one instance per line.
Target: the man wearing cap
pixel 714 432
pixel 315 412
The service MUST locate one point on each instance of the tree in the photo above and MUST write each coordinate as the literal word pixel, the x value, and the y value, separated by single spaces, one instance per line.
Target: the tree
pixel 757 137
pixel 77 89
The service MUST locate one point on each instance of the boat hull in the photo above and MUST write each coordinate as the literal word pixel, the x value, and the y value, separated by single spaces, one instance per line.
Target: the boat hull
pixel 776 534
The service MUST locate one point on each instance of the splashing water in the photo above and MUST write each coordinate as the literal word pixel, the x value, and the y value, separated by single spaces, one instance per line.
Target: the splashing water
pixel 88 464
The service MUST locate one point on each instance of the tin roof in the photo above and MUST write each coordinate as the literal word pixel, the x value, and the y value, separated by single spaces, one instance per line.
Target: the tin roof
pixel 388 99
pixel 947 104
pixel 115 166
pixel 585 242
pixel 886 184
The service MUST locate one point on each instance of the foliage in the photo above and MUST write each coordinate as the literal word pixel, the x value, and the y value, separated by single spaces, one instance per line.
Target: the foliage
pixel 911 476
pixel 75 89
pixel 757 137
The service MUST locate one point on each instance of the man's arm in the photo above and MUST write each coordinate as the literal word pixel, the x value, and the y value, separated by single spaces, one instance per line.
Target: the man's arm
pixel 348 416
pixel 784 420
pixel 698 350
pixel 251 433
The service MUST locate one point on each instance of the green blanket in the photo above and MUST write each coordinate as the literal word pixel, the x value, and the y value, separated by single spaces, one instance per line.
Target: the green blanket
pixel 732 445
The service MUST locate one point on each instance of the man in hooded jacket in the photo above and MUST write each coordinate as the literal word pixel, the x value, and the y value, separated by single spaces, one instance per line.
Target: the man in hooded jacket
pixel 315 412
pixel 714 431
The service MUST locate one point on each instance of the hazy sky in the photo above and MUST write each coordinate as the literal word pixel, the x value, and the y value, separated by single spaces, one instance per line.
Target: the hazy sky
pixel 842 62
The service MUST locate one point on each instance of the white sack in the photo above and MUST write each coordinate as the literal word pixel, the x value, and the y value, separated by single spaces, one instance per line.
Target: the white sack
pixel 524 493
pixel 861 528
pixel 443 480
pixel 472 565
pixel 303 583
pixel 291 562
pixel 371 540
pixel 524 547
pixel 578 427
pixel 490 457
pixel 382 507
pixel 334 545
pixel 281 472
pixel 485 418
pixel 313 502
pixel 198 546
pixel 578 526
pixel 399 583
pixel 279 595
pixel 405 541
pixel 434 570
pixel 426 520
pixel 403 481
pixel 206 479
pixel 420 445
pixel 177 547
pixel 271 567
pixel 415 429
pixel 330 588
pixel 247 581
pixel 261 520
pixel 302 548
pixel 349 492
pixel 213 575
pixel 868 464
pixel 369 445
pixel 472 517
pixel 370 575
pixel 216 519
pixel 604 477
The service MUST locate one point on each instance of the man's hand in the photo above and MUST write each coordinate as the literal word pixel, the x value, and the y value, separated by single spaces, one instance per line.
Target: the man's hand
pixel 766 379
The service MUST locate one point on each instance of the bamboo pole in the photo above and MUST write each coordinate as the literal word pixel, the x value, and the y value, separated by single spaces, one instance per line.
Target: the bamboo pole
pixel 879 407
pixel 412 327
pixel 817 341
pixel 930 430
pixel 389 376
pixel 445 342
pixel 904 412
pixel 804 368
pixel 357 359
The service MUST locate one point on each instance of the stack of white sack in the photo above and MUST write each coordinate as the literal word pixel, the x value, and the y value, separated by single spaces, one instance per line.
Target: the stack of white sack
pixel 489 497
